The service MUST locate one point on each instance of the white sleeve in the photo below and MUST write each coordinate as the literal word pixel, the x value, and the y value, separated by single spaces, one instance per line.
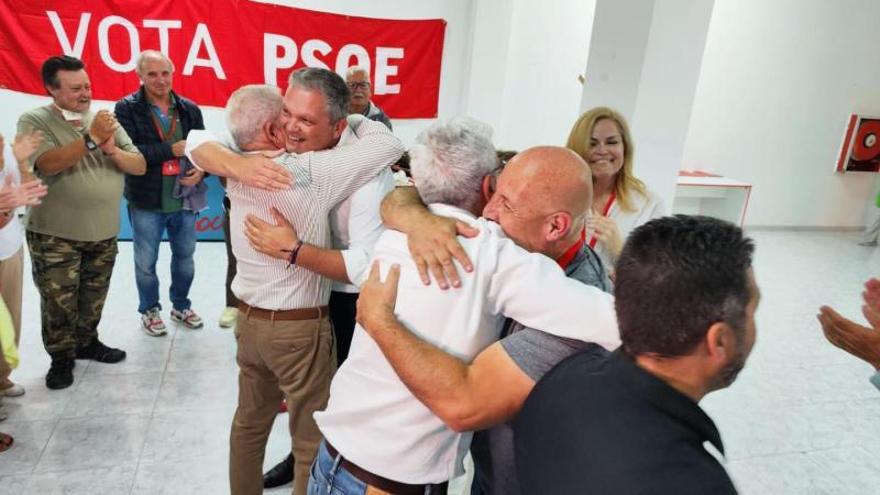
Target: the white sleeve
pixel 365 225
pixel 196 138
pixel 876 380
pixel 531 289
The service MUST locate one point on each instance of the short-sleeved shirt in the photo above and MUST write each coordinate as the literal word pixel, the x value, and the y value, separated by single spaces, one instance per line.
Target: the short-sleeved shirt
pixel 598 424
pixel 83 201
pixel 535 352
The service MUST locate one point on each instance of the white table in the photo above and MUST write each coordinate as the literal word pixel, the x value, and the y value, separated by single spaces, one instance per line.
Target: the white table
pixel 702 193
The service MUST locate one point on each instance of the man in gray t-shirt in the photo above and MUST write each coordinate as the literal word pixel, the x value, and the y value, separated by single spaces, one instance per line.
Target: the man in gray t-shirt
pixel 535 353
pixel 540 199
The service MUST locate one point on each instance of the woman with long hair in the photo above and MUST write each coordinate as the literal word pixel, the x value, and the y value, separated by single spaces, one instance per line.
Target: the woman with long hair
pixel 621 202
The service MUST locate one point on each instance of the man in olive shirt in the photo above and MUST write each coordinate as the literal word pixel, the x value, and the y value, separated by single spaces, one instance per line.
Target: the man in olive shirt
pixel 72 235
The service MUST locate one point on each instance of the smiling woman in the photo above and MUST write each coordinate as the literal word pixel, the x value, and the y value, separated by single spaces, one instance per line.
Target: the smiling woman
pixel 621 202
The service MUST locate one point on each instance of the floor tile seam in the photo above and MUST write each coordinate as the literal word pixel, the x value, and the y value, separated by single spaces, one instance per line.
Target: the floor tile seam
pixel 785 453
pixel 43 450
pixel 152 415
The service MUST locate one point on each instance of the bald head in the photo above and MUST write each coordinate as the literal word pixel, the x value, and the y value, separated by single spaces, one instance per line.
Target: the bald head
pixel 541 199
pixel 553 178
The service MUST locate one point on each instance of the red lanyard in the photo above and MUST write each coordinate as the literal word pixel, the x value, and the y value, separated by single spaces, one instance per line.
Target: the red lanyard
pixel 569 255
pixel 162 134
pixel 605 212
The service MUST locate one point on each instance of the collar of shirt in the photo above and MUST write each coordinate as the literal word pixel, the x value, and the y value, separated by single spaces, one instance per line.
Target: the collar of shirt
pixel 666 399
pixel 165 118
pixel 453 212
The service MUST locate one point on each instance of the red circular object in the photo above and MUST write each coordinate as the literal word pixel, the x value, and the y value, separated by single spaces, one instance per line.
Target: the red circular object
pixel 867 141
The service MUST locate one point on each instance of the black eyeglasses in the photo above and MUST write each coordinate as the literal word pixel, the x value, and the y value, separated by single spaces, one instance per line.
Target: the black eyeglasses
pixel 356 85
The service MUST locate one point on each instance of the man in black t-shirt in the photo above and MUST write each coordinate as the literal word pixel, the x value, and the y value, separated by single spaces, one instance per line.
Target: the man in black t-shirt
pixel 630 423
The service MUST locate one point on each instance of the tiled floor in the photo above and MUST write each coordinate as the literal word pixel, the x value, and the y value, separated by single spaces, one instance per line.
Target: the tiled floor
pixel 801 419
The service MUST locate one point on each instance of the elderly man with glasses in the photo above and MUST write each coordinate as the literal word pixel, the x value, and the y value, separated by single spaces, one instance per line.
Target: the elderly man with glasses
pixel 358 81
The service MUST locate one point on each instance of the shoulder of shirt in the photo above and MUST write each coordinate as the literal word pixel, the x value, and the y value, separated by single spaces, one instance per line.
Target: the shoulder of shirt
pixel 39 112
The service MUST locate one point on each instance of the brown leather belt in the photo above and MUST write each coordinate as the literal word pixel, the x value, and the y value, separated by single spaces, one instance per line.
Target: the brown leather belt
pixel 384 484
pixel 282 315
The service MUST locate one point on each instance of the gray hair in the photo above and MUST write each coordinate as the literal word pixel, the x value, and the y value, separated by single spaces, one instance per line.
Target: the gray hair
pixel 356 69
pixel 249 108
pixel 331 86
pixel 449 161
pixel 147 54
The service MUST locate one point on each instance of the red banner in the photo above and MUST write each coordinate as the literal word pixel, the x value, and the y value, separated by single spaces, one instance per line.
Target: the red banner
pixel 219 45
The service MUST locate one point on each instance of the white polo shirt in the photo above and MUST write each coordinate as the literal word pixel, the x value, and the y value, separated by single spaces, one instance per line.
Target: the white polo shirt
pixel 373 419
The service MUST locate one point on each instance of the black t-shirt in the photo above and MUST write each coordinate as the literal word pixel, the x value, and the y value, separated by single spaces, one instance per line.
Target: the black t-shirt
pixel 604 425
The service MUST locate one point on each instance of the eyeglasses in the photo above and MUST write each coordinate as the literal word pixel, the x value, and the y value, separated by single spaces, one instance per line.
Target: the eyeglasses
pixel 361 85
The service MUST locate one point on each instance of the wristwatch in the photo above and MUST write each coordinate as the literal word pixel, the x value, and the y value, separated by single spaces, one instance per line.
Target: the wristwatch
pixel 90 145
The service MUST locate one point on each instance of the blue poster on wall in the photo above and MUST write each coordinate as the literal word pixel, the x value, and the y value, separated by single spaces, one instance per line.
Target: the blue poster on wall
pixel 209 223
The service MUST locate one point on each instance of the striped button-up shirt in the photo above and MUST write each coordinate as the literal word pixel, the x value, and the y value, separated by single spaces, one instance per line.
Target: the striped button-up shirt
pixel 322 179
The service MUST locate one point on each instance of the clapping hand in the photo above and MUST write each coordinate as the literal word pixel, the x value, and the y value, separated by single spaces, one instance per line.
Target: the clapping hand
pixel 26 144
pixel 13 195
pixel 856 339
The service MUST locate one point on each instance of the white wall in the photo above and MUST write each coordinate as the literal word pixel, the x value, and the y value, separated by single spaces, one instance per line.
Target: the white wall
pixel 779 80
pixel 541 93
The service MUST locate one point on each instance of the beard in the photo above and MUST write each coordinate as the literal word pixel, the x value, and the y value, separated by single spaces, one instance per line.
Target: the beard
pixel 728 373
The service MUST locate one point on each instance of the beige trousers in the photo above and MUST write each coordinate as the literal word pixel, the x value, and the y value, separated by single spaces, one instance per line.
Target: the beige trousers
pixel 10 291
pixel 278 359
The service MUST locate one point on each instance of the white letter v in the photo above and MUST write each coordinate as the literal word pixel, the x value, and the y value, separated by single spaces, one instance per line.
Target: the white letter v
pixel 63 40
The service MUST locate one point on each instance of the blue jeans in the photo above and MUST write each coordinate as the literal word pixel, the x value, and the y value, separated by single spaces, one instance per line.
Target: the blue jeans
pixel 147 228
pixel 329 478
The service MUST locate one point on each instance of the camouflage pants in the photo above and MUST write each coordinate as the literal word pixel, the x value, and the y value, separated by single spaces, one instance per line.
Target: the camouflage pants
pixel 73 278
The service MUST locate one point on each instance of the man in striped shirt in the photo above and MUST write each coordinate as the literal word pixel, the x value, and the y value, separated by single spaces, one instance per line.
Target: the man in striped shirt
pixel 284 337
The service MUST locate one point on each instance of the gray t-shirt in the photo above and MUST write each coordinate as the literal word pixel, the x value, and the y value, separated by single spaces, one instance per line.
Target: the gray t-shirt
pixel 535 352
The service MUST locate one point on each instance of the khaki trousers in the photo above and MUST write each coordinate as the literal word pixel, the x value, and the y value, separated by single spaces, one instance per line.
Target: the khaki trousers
pixel 278 359
pixel 10 292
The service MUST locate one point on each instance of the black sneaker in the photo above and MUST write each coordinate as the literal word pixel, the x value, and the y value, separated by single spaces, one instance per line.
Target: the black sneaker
pixel 281 474
pixel 97 351
pixel 60 373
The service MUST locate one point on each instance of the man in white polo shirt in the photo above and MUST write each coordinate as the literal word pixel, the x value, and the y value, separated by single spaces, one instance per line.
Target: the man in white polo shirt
pixel 378 436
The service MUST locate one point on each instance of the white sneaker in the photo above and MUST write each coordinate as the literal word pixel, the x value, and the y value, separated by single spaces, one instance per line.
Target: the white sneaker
pixel 188 317
pixel 152 324
pixel 15 390
pixel 227 319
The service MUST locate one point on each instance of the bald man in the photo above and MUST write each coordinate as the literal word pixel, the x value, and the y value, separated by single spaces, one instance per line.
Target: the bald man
pixel 540 200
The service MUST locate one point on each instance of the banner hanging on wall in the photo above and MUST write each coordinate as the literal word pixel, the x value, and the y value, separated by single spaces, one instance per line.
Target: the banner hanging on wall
pixel 219 45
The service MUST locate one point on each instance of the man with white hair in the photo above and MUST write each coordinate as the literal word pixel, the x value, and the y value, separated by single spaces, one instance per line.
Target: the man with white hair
pixel 285 345
pixel 378 436
pixel 166 198
pixel 358 80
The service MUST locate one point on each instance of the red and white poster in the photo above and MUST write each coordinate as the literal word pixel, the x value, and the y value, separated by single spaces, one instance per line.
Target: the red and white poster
pixel 860 151
pixel 219 45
